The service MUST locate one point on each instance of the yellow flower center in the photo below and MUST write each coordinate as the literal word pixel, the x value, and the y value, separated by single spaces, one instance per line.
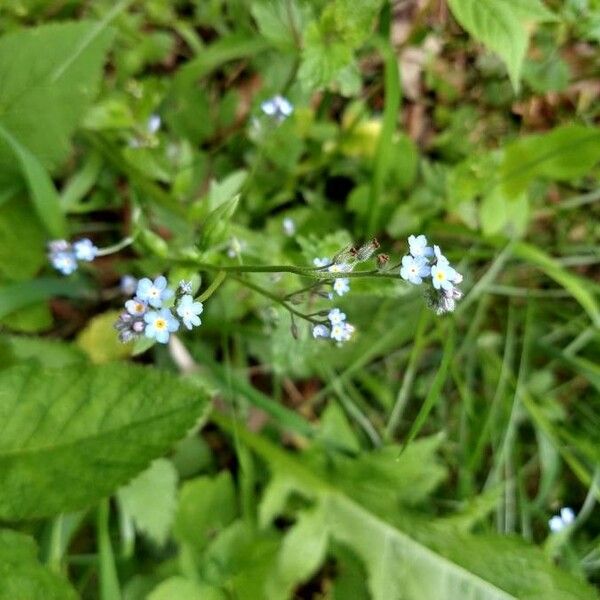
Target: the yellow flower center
pixel 139 307
pixel 440 276
pixel 160 324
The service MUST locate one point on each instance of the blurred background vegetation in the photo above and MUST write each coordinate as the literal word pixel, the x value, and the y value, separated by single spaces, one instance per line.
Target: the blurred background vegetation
pixel 422 460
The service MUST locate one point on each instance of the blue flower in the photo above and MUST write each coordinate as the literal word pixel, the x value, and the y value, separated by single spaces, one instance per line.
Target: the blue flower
pixel 417 245
pixel 442 276
pixel 414 269
pixel 321 262
pixel 320 331
pixel 439 257
pixel 278 107
pixel 153 124
pixel 189 310
pixel 342 332
pixel 136 307
pixel 341 286
pixel 128 285
pixel 559 522
pixel 289 226
pixel 185 287
pixel 64 262
pixel 85 250
pixel 160 324
pixel 155 293
pixel 336 316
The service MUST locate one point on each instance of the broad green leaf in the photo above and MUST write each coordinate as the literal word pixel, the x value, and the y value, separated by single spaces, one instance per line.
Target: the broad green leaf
pixel 44 352
pixel 302 552
pixel 206 505
pixel 502 26
pixel 45 93
pixel 73 435
pixel 563 154
pixel 150 500
pixel 185 589
pixel 22 241
pixel 22 577
pixel 16 296
pixel 411 559
pixel 41 189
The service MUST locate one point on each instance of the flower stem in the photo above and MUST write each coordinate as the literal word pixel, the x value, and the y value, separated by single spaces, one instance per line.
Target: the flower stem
pixel 212 288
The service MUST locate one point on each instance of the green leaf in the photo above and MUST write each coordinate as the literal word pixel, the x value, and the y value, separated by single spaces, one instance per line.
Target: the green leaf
pixel 150 500
pixel 16 296
pixel 414 559
pixel 301 553
pixel 22 576
pixel 44 352
pixel 99 342
pixel 43 193
pixel 73 435
pixel 22 235
pixel 206 505
pixel 179 587
pixel 46 93
pixel 502 25
pixel 563 154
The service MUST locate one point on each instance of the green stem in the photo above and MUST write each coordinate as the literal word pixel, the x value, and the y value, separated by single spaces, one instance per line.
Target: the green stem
pixel 212 288
pixel 275 298
pixel 109 581
pixel 116 247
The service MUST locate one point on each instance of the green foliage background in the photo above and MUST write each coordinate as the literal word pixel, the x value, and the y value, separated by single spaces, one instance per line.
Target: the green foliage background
pixel 422 460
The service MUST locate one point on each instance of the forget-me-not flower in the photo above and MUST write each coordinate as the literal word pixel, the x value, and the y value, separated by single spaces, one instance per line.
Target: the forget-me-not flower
pixel 64 262
pixel 342 332
pixel 321 262
pixel 128 285
pixel 189 310
pixel 336 316
pixel 85 250
pixel 417 245
pixel 414 269
pixel 341 286
pixel 160 324
pixel 136 307
pixel 154 292
pixel 289 226
pixel 185 287
pixel 559 522
pixel 440 259
pixel 320 330
pixel 278 107
pixel 442 276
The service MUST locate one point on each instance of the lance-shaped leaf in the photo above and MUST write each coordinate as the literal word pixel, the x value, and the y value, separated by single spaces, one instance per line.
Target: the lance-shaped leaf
pixel 73 435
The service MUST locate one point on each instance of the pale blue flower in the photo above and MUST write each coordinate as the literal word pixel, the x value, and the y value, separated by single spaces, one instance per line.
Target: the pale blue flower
pixel 417 245
pixel 342 332
pixel 340 268
pixel 564 519
pixel 136 307
pixel 64 262
pixel 278 107
pixel 414 269
pixel 336 316
pixel 289 226
pixel 85 250
pixel 189 310
pixel 442 276
pixel 320 331
pixel 153 292
pixel 185 287
pixel 321 262
pixel 153 124
pixel 341 286
pixel 128 285
pixel 440 259
pixel 160 324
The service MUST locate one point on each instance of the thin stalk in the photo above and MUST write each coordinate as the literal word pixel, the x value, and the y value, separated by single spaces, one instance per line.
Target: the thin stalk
pixel 213 287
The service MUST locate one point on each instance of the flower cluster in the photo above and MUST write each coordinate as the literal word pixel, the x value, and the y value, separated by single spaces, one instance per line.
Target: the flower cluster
pixel 337 329
pixel 341 285
pixel 562 520
pixel 424 262
pixel 278 107
pixel 64 256
pixel 146 312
